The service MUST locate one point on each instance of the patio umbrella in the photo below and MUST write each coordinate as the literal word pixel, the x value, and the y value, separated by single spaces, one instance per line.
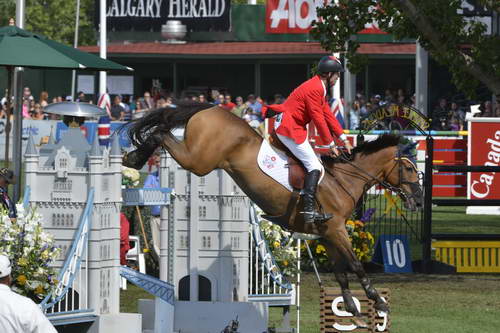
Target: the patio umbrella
pixel 22 48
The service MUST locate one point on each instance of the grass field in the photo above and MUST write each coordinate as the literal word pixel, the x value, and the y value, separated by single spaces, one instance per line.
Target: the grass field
pixel 461 303
pixel 420 303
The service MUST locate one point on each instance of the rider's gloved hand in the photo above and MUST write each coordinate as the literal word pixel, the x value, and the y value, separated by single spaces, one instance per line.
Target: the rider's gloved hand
pixel 333 149
pixel 348 146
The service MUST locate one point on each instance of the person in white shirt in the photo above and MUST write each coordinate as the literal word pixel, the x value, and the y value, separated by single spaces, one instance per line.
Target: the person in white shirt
pixel 19 314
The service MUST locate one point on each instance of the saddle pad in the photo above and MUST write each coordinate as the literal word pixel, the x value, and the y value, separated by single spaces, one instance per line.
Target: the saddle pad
pixel 274 164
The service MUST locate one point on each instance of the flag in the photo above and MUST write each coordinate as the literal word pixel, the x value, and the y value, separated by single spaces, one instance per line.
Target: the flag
pixel 104 130
pixel 104 102
pixel 337 107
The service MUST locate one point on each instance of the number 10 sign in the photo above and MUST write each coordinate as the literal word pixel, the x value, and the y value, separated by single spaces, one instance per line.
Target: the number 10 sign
pixel 394 252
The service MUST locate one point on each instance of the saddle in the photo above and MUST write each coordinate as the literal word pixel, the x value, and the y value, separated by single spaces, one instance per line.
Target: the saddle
pixel 296 170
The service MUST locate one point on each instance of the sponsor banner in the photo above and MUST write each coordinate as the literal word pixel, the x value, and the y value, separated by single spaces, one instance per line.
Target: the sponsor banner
pixel 484 149
pixel 296 17
pixel 89 129
pixel 150 15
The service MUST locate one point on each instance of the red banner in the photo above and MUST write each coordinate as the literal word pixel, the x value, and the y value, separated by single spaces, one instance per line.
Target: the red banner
pixel 484 149
pixel 296 17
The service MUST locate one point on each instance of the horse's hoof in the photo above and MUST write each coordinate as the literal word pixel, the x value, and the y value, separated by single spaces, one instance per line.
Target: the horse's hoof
pixel 134 160
pixel 381 306
pixel 360 322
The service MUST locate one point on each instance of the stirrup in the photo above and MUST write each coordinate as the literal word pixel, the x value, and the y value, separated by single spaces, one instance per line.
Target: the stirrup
pixel 312 217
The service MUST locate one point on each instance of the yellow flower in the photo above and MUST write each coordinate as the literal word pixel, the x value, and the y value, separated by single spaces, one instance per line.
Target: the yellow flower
pixel 285 262
pixel 276 244
pixel 350 223
pixel 365 247
pixel 45 255
pixel 39 290
pixel 359 224
pixel 21 279
pixel 22 262
pixel 362 234
pixel 320 249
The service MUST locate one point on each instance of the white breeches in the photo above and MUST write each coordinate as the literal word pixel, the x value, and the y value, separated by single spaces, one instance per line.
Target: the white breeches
pixel 304 152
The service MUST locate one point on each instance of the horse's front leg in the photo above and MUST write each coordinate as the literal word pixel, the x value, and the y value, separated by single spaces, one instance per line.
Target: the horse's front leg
pixel 341 241
pixel 370 291
pixel 340 272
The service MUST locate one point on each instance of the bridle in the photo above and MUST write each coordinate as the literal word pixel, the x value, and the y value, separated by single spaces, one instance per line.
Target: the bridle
pixel 370 179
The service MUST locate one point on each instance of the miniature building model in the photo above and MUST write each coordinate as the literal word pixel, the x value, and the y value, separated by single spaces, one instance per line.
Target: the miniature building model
pixel 60 178
pixel 211 239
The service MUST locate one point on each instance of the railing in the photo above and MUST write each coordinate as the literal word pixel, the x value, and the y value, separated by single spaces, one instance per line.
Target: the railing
pixel 71 293
pixel 267 283
pixel 146 196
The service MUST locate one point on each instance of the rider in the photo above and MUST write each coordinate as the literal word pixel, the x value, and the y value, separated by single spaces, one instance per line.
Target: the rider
pixel 305 104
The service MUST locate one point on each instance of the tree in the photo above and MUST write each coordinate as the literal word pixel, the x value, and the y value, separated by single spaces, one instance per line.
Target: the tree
pixel 55 19
pixel 471 56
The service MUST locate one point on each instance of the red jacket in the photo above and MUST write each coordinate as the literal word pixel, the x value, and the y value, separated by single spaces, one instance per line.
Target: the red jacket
pixel 305 104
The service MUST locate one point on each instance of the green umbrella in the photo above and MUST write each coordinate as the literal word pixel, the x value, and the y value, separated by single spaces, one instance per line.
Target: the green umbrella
pixel 22 48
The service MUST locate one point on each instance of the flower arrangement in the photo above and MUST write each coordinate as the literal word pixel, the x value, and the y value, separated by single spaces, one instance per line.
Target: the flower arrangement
pixel 280 245
pixel 319 254
pixel 31 251
pixel 362 241
pixel 130 177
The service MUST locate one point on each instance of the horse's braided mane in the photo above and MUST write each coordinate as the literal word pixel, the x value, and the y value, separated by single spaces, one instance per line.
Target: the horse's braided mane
pixel 370 147
pixel 164 119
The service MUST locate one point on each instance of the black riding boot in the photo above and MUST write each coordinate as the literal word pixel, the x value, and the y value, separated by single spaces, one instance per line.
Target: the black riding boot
pixel 310 185
pixel 137 158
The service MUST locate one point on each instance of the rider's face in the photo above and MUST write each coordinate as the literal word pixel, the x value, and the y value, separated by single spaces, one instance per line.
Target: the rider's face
pixel 333 78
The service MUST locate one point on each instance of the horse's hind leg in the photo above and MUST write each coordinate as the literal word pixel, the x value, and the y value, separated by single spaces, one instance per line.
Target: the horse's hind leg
pixel 344 246
pixel 137 158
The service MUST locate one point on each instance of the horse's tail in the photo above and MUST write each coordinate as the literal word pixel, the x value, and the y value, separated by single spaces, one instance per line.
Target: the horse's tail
pixel 164 119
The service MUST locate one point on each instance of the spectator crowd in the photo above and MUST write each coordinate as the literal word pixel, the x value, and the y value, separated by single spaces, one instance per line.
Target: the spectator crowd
pixel 446 115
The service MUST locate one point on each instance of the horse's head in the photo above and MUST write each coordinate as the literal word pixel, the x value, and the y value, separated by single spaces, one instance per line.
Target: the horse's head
pixel 402 174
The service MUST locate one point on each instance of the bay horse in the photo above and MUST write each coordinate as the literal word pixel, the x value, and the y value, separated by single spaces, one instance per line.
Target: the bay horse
pixel 217 139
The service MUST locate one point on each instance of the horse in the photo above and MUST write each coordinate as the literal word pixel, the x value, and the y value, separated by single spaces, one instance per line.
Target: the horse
pixel 217 139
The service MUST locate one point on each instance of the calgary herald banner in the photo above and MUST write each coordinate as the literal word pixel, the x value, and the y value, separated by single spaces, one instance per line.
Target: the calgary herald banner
pixel 484 146
pixel 150 15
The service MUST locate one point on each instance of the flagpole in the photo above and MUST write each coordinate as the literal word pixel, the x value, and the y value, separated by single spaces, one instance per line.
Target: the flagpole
pixel 75 45
pixel 102 45
pixel 17 132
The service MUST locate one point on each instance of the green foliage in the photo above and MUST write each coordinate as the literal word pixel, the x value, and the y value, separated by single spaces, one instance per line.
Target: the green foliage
pixel 472 56
pixel 55 19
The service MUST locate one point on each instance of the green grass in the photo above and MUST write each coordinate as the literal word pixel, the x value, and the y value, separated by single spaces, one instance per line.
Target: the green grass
pixel 454 220
pixel 461 303
pixel 419 303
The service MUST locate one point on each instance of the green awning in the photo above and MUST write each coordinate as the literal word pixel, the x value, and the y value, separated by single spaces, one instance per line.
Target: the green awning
pixel 22 48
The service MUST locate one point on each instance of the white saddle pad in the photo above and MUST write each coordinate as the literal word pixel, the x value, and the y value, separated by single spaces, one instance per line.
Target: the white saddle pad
pixel 274 164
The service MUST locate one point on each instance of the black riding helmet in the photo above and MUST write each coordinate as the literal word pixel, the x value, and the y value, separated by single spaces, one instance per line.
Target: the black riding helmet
pixel 329 64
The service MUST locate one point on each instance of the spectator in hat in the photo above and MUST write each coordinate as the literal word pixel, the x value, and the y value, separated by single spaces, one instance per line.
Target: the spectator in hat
pixel 19 314
pixel 6 178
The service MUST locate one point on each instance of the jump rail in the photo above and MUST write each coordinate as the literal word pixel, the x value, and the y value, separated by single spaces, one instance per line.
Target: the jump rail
pixel 429 201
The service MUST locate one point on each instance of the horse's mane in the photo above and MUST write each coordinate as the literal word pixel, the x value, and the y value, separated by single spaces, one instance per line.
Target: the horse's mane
pixel 370 147
pixel 164 119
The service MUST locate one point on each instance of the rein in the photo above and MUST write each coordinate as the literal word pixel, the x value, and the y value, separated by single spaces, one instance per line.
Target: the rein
pixel 383 182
